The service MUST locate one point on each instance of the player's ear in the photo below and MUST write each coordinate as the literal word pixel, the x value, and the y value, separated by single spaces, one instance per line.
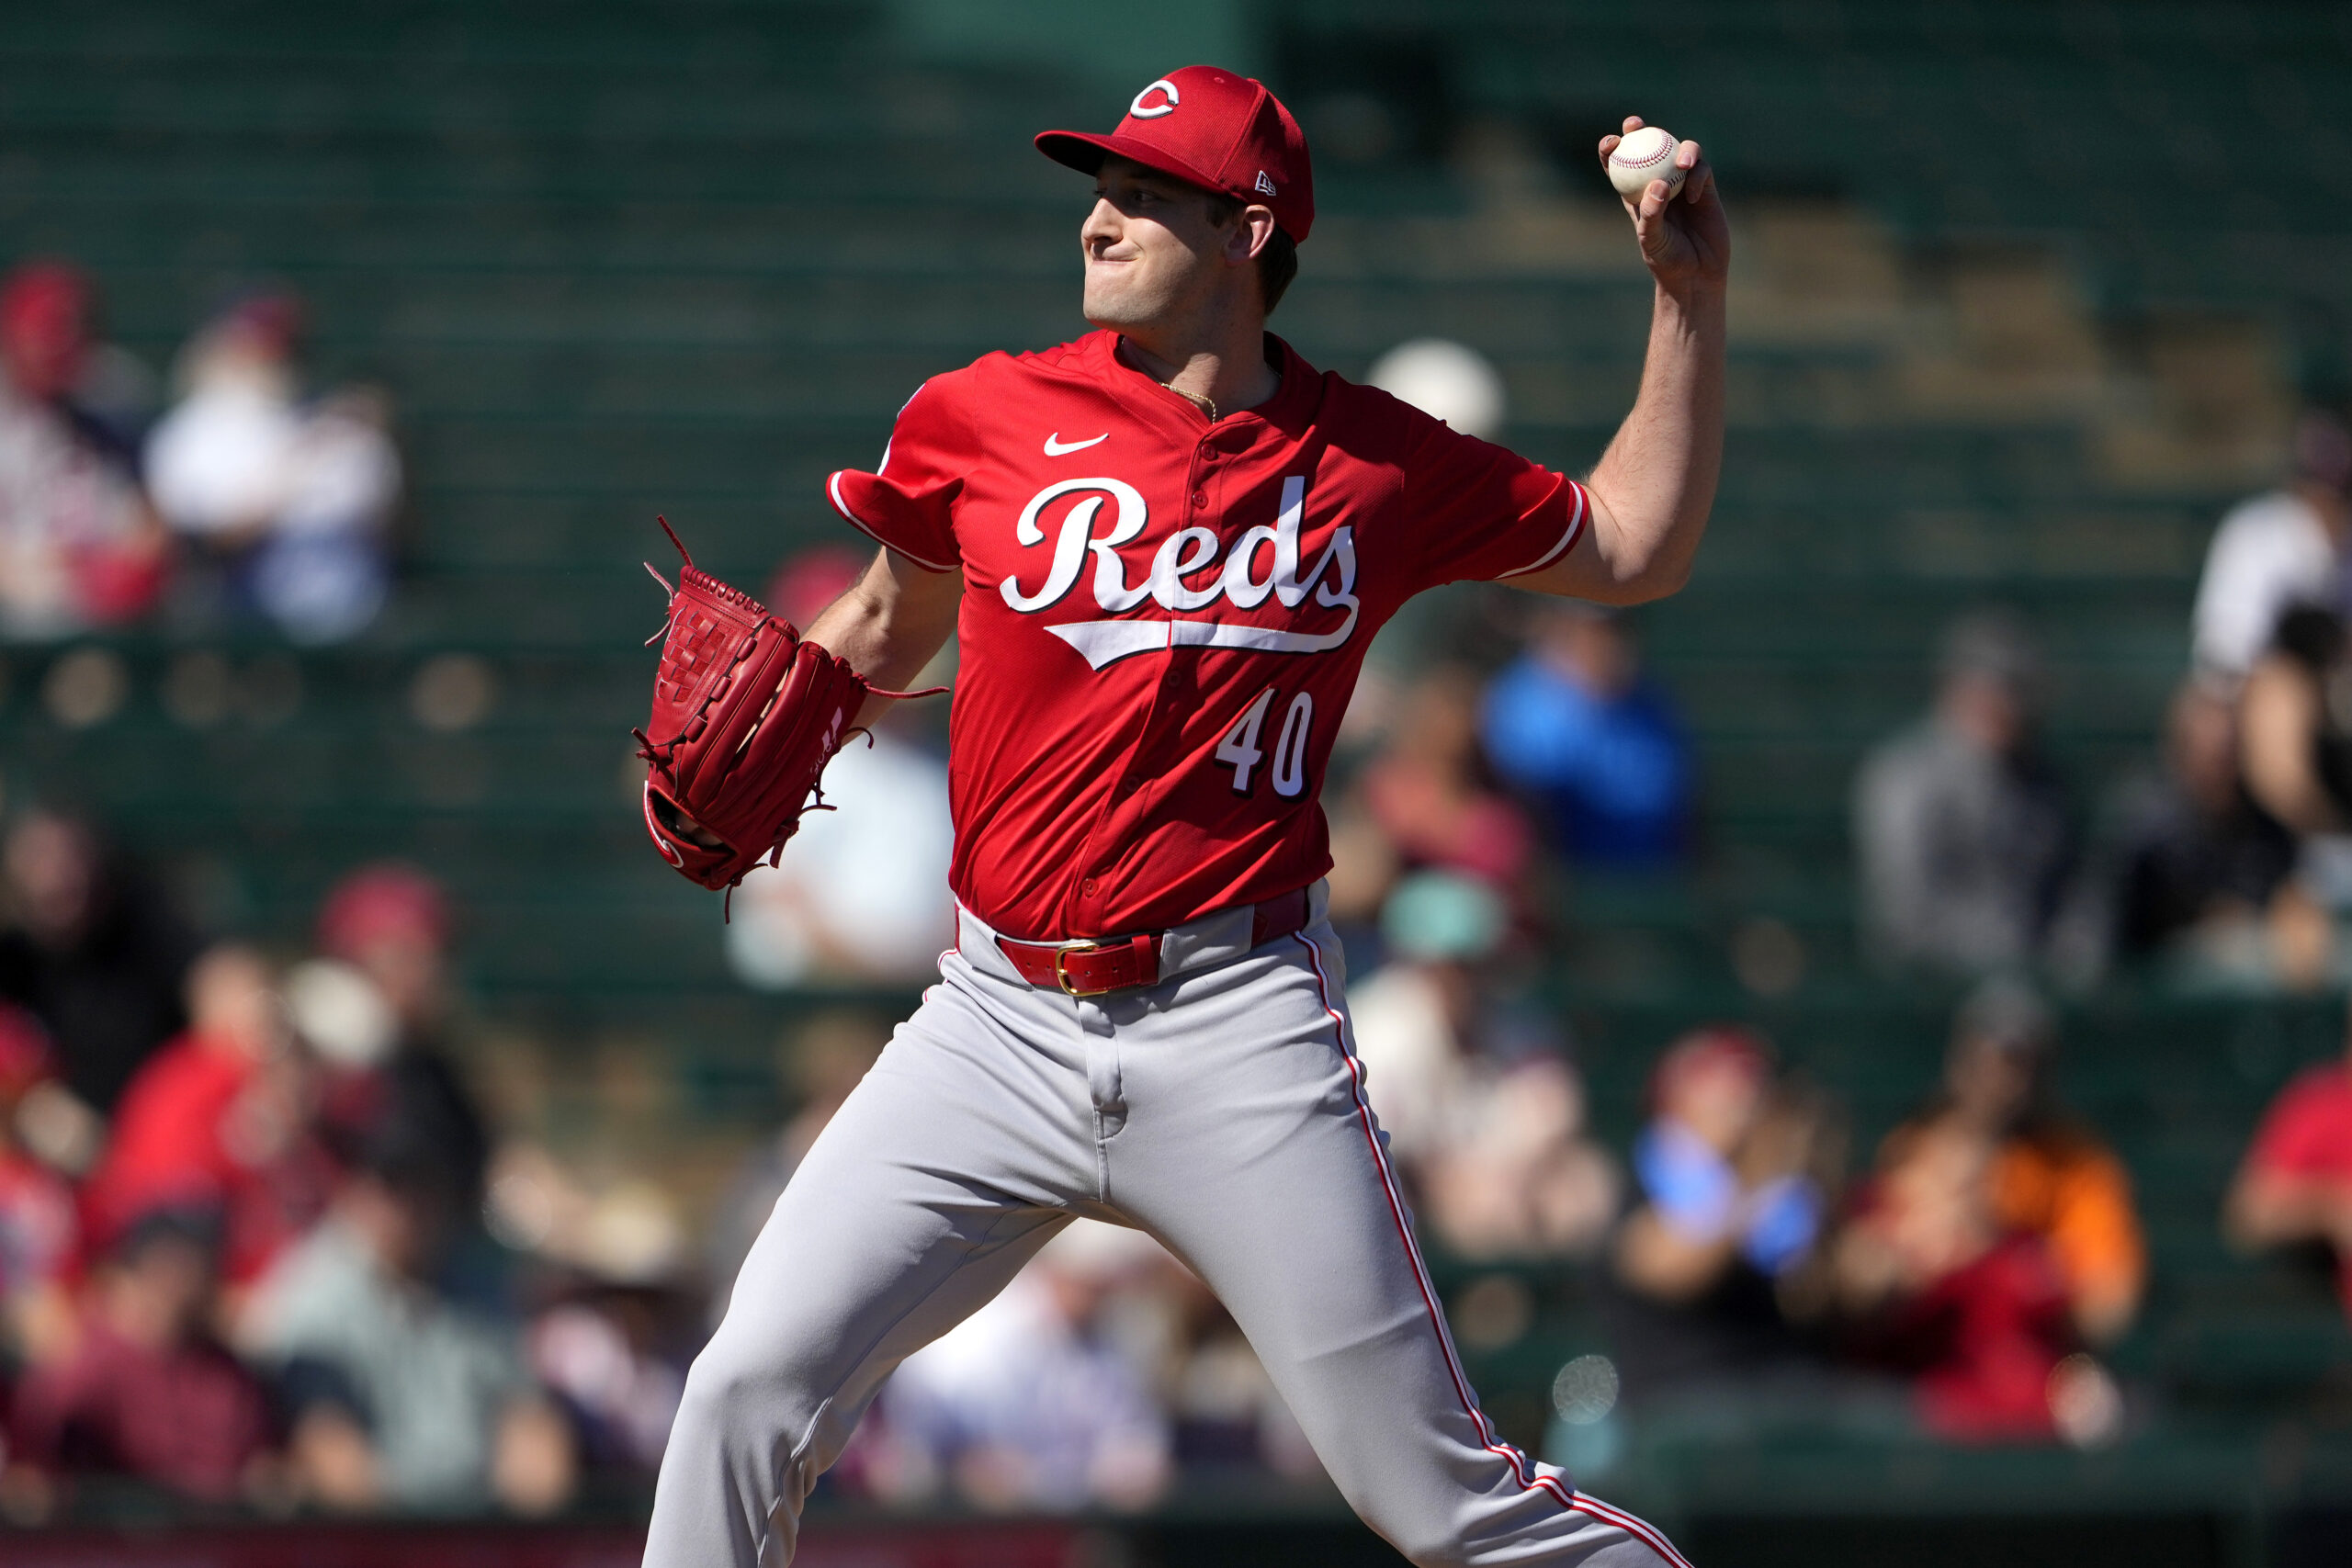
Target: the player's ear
pixel 1253 233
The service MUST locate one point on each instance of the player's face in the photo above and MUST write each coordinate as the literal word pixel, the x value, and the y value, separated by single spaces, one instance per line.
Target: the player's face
pixel 1153 255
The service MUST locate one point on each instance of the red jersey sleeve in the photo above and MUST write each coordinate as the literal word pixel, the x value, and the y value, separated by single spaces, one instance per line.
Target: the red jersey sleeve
pixel 2308 1131
pixel 1482 512
pixel 909 504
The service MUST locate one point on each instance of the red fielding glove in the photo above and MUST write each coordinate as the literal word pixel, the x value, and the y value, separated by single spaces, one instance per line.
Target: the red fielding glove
pixel 748 712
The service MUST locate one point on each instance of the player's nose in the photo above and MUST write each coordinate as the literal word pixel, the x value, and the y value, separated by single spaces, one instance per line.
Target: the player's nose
pixel 1102 226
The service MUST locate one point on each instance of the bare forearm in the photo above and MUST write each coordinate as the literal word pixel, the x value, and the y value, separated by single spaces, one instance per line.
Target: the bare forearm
pixel 2269 1210
pixel 1655 486
pixel 1661 1262
pixel 890 624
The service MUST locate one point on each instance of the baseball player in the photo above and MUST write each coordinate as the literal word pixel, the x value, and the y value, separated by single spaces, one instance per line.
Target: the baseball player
pixel 1165 547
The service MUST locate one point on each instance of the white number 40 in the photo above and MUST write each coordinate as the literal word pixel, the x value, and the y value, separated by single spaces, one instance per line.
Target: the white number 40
pixel 1240 752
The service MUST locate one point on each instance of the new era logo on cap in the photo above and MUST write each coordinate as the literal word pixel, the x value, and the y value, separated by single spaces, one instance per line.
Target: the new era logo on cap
pixel 1233 136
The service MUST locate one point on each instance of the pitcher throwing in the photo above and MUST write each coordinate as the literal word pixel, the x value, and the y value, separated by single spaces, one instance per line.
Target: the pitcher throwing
pixel 1165 547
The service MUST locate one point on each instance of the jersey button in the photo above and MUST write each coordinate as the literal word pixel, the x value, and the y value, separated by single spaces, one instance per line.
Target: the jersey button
pixel 1200 499
pixel 1087 887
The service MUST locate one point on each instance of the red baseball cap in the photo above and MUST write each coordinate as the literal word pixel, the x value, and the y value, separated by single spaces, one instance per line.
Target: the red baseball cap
pixel 45 325
pixel 1223 133
pixel 384 901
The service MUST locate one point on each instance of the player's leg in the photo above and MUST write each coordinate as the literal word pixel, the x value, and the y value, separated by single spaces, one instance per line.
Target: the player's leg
pixel 1250 1149
pixel 942 1174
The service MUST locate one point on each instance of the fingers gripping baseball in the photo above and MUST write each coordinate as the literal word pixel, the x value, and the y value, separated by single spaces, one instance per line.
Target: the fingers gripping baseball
pixel 1678 215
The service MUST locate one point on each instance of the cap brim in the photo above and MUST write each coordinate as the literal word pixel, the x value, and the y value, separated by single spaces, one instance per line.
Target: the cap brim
pixel 1084 151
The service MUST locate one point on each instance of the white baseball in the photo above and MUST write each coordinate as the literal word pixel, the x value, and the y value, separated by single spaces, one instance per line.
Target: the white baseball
pixel 1645 155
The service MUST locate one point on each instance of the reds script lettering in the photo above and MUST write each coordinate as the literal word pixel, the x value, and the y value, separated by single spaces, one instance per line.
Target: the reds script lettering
pixel 1183 554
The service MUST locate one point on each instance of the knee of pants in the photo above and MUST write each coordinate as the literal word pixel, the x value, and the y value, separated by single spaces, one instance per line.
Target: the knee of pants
pixel 1446 1551
pixel 1423 1542
pixel 739 1400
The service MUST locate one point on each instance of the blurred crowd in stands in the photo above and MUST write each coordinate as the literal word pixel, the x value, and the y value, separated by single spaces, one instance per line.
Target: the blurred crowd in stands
pixel 2226 862
pixel 242 498
pixel 260 1241
pixel 242 1253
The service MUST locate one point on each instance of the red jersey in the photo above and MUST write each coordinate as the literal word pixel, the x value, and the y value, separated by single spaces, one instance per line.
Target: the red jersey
pixel 2306 1136
pixel 1164 616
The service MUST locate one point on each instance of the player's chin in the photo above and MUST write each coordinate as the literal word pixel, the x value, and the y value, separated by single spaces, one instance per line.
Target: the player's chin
pixel 1112 301
pixel 1109 309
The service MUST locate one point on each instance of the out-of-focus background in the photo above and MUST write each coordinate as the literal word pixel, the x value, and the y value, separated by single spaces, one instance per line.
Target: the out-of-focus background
pixel 1866 1037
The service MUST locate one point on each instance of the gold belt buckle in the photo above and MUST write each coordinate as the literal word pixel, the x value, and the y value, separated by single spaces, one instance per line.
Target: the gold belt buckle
pixel 1061 975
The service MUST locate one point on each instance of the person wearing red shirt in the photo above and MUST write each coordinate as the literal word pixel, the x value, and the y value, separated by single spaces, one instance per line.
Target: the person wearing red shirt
pixel 2295 1184
pixel 1974 1312
pixel 1164 548
pixel 219 1118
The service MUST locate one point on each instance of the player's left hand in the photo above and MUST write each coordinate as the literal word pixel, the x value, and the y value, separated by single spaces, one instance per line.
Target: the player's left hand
pixel 1686 242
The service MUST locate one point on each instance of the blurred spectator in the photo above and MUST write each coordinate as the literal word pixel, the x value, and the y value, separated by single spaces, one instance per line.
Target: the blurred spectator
pixel 2189 859
pixel 1974 1316
pixel 2296 752
pixel 1729 1209
pixel 599 1350
pixel 1225 1414
pixel 92 949
pixel 400 1396
pixel 1961 828
pixel 220 1119
pixel 1576 723
pixel 1484 1113
pixel 862 899
pixel 2294 1186
pixel 822 1062
pixel 285 506
pixel 2047 1175
pixel 2297 748
pixel 1427 800
pixel 79 545
pixel 51 349
pixel 1410 1013
pixel 40 1231
pixel 148 1392
pixel 2276 552
pixel 1024 1405
pixel 381 1018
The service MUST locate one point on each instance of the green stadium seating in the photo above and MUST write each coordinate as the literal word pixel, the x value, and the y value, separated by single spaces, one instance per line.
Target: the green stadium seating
pixel 612 258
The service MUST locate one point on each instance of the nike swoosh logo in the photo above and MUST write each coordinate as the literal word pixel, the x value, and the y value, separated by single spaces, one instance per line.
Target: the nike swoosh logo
pixel 1056 447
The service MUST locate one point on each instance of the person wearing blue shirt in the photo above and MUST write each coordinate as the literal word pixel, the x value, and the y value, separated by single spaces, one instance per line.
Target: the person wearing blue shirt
pixel 1576 725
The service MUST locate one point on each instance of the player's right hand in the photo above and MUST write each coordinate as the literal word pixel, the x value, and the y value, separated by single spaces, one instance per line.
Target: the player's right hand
pixel 1685 239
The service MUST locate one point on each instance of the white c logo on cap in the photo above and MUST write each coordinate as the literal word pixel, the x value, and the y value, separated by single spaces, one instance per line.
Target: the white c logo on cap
pixel 1156 110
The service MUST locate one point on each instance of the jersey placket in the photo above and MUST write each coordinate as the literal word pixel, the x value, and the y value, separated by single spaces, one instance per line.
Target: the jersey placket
pixel 1151 754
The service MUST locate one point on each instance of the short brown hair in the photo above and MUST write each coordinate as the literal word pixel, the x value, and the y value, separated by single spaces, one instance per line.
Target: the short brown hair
pixel 1277 261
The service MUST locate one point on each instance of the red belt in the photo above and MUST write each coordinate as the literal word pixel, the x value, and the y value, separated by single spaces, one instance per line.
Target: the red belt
pixel 1097 968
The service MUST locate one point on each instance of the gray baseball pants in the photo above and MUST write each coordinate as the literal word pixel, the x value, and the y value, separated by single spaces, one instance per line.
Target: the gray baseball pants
pixel 1223 1111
